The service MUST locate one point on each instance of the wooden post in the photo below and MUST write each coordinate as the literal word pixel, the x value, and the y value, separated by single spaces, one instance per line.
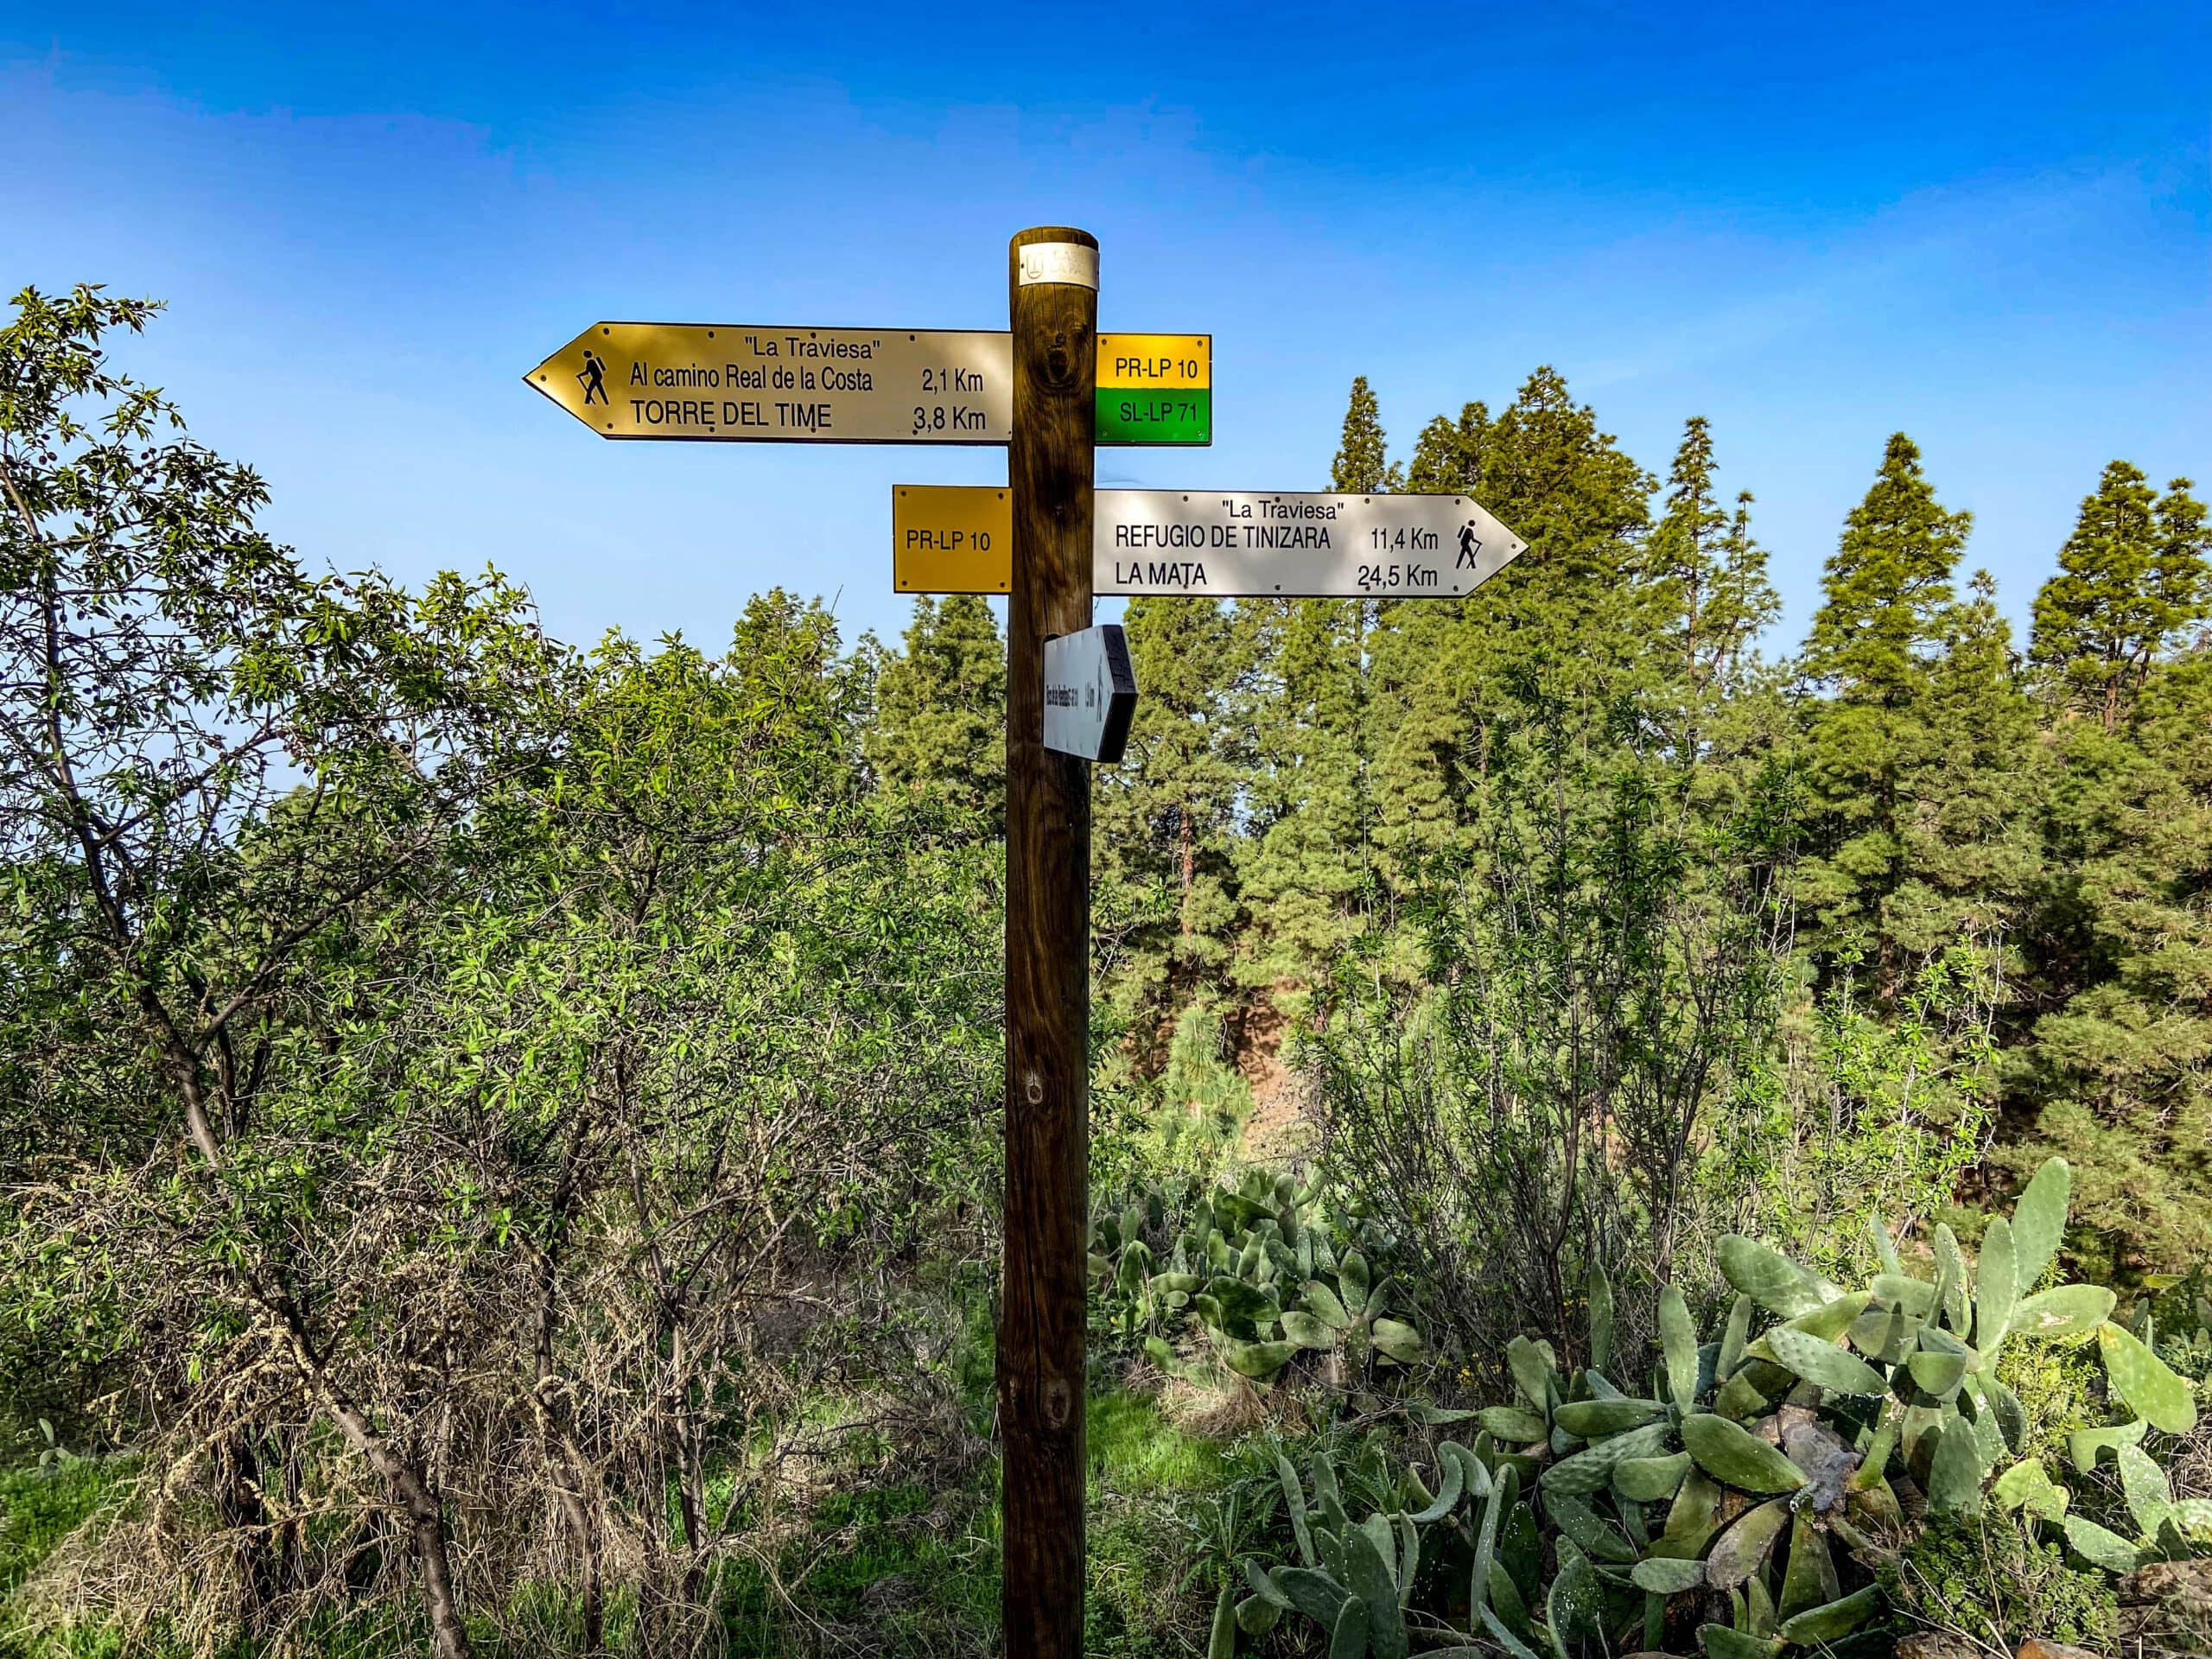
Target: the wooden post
pixel 1041 1360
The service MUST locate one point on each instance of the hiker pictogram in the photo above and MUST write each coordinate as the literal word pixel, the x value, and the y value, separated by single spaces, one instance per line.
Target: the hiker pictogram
pixel 594 377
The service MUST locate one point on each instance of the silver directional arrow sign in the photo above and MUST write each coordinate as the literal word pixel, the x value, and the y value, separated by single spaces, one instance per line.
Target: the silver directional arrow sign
pixel 1091 694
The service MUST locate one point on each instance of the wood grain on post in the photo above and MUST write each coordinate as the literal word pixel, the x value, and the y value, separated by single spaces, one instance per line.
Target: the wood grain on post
pixel 1040 1357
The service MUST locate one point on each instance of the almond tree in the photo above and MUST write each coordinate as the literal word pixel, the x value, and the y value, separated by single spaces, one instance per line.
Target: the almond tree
pixel 213 771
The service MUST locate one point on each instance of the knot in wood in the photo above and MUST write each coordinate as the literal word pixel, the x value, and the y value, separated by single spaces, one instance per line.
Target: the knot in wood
pixel 1033 1089
pixel 1058 1402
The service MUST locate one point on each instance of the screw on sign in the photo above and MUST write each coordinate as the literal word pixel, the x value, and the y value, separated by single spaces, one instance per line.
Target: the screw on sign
pixel 1050 389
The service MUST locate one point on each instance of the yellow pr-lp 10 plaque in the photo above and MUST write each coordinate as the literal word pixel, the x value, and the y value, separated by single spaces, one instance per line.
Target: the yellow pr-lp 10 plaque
pixel 951 538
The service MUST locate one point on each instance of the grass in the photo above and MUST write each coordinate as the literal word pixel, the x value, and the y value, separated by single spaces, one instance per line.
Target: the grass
pixel 1134 1451
pixel 39 1508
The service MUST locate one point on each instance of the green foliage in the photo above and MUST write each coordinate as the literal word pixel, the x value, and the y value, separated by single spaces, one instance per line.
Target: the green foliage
pixel 1709 593
pixel 1203 1102
pixel 1993 1579
pixel 1761 1464
pixel 1909 1095
pixel 1582 1070
pixel 1164 840
pixel 1919 754
pixel 1887 584
pixel 936 739
pixel 407 1023
pixel 421 1022
pixel 1302 860
pixel 2113 1076
pixel 1361 466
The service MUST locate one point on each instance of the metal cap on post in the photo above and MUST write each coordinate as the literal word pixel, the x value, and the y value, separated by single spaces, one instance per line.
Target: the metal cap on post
pixel 1054 305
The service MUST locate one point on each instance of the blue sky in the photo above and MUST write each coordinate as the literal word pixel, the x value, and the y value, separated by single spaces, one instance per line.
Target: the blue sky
pixel 1991 226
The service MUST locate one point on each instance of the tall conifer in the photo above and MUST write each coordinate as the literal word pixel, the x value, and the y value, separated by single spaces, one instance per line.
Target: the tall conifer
pixel 1166 823
pixel 1305 857
pixel 1874 645
pixel 938 735
pixel 1887 585
pixel 1564 610
pixel 2130 577
pixel 1707 577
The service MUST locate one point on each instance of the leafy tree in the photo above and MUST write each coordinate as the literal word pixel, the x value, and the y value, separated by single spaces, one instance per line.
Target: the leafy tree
pixel 2131 578
pixel 755 1027
pixel 214 772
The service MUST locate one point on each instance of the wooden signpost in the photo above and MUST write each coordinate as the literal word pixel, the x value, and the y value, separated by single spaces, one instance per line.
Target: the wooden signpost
pixel 1052 389
pixel 1048 475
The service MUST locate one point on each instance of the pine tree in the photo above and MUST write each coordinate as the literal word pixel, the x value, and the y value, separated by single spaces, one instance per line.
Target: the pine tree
pixel 1972 770
pixel 1303 862
pixel 1887 585
pixel 2131 577
pixel 1565 486
pixel 1564 610
pixel 1448 454
pixel 2185 561
pixel 2117 1072
pixel 1886 619
pixel 938 736
pixel 1166 826
pixel 1304 858
pixel 1363 466
pixel 1707 579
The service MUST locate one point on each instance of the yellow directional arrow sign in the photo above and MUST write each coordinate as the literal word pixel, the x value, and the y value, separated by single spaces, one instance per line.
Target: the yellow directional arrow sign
pixel 750 383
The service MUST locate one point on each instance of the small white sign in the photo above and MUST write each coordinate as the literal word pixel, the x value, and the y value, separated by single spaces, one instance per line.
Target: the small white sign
pixel 1091 694
pixel 1253 543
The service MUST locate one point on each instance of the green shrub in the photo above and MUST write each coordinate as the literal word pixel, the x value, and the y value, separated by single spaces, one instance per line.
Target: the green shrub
pixel 1989 1579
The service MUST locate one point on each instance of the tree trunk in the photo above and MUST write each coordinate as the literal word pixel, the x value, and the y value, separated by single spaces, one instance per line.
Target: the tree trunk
pixel 1190 863
pixel 426 1519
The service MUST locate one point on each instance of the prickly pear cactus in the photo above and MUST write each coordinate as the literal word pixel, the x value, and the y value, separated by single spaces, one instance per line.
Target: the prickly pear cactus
pixel 1744 1472
pixel 1260 1270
